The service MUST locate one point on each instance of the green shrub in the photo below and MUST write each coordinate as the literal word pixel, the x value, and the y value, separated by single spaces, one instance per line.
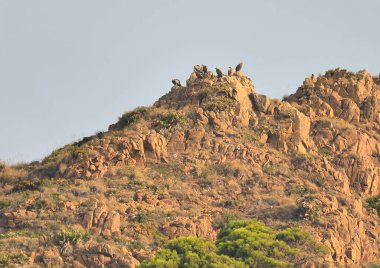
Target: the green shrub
pixel 131 118
pixel 257 245
pixel 72 236
pixel 299 190
pixel 169 121
pixel 241 243
pixel 325 152
pixel 18 233
pixel 374 202
pixel 69 151
pixel 219 104
pixel 26 185
pixel 4 204
pixel 190 252
pixel 229 203
pixel 222 220
pixel 12 260
pixel 308 208
pixel 38 204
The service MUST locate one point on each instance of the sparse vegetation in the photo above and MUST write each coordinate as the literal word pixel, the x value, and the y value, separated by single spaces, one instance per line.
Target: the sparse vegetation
pixel 131 117
pixel 219 104
pixel 301 190
pixel 12 260
pixel 4 204
pixel 38 204
pixel 374 202
pixel 72 236
pixel 19 233
pixel 325 152
pixel 308 208
pixel 169 121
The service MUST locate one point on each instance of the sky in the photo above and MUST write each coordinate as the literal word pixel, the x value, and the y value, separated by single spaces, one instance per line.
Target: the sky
pixel 70 68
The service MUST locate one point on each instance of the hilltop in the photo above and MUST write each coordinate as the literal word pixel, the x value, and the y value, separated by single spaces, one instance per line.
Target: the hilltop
pixel 207 152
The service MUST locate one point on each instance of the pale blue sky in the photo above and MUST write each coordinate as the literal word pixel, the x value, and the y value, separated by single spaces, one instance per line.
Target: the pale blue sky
pixel 70 68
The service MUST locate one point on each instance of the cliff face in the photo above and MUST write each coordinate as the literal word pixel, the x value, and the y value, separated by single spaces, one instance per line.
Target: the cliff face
pixel 209 150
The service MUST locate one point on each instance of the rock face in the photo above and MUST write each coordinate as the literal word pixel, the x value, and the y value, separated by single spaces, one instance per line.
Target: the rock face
pixel 203 152
pixel 100 220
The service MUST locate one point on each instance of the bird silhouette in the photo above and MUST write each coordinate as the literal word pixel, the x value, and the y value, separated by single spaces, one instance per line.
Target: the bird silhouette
pixel 239 66
pixel 176 82
pixel 219 72
pixel 230 71
pixel 205 69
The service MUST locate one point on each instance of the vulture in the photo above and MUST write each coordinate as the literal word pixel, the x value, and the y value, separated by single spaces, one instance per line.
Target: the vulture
pixel 205 69
pixel 239 66
pixel 197 68
pixel 176 82
pixel 219 72
pixel 230 71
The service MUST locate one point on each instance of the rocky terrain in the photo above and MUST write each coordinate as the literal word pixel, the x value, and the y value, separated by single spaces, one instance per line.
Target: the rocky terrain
pixel 204 153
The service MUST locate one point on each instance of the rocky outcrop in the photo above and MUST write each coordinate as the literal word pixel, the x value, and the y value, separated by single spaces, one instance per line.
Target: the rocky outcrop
pixel 100 220
pixel 182 226
pixel 223 151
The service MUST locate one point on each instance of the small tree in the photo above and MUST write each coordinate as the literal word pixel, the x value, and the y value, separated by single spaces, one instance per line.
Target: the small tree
pixel 190 252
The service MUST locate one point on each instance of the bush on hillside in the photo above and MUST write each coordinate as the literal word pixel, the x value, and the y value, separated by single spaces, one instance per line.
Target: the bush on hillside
pixel 241 243
pixel 132 117
pixel 169 121
pixel 190 252
pixel 374 202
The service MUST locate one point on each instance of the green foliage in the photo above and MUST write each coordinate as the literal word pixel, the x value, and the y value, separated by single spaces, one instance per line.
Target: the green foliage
pixel 219 104
pixel 131 118
pixel 18 233
pixel 26 185
pixel 169 121
pixel 38 204
pixel 374 202
pixel 12 260
pixel 308 209
pixel 190 252
pixel 222 220
pixel 33 185
pixel 110 192
pixel 154 215
pixel 241 243
pixel 299 190
pixel 325 152
pixel 255 244
pixel 229 203
pixel 4 204
pixel 72 236
pixel 70 151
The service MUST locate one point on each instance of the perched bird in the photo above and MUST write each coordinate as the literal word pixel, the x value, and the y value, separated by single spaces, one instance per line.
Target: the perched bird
pixel 176 82
pixel 205 69
pixel 197 68
pixel 239 66
pixel 230 71
pixel 219 72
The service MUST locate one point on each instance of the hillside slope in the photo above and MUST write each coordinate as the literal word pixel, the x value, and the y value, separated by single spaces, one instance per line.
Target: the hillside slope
pixel 206 152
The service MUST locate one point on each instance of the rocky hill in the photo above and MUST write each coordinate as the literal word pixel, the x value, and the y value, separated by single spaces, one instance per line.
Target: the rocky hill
pixel 204 153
